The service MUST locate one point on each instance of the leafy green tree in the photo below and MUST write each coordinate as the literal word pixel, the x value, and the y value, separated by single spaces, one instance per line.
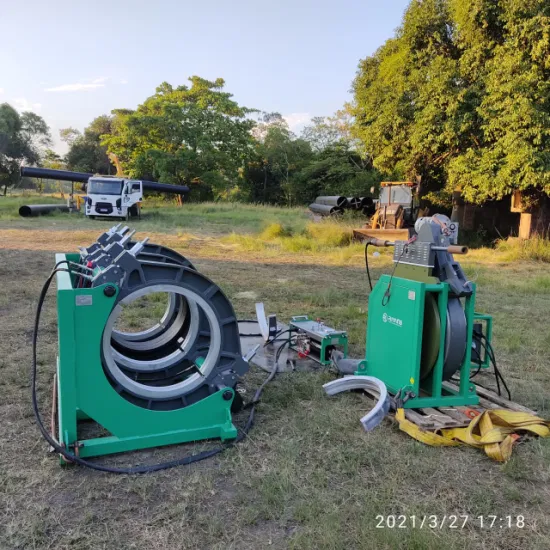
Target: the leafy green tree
pixel 186 134
pixel 323 132
pixel 461 97
pixel 52 160
pixel 86 153
pixel 338 170
pixel 512 99
pixel 69 135
pixel 273 174
pixel 23 138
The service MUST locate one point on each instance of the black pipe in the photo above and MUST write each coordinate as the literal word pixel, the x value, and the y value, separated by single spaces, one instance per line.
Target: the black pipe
pixel 28 210
pixel 368 206
pixel 48 173
pixel 165 187
pixel 366 201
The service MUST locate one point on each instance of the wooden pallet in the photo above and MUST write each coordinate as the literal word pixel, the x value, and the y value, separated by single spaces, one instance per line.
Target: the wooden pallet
pixel 457 417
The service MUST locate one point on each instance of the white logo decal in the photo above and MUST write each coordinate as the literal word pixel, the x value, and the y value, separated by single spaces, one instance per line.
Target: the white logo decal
pixel 393 320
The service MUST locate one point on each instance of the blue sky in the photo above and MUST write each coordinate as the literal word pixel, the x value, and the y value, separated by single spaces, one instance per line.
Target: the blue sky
pixel 71 61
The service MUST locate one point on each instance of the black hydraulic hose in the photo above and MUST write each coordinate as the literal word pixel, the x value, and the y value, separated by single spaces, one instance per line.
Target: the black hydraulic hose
pixel 281 332
pixel 71 457
pixel 498 375
pixel 367 264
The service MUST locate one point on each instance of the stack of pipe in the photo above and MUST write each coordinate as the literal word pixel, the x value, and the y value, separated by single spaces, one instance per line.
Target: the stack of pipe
pixel 329 206
pixel 334 205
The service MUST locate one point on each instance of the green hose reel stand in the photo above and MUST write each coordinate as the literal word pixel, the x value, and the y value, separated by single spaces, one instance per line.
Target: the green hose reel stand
pixel 422 326
pixel 173 383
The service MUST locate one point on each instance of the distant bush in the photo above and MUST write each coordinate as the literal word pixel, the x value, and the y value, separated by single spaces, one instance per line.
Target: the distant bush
pixel 274 230
pixel 329 233
pixel 316 237
pixel 535 248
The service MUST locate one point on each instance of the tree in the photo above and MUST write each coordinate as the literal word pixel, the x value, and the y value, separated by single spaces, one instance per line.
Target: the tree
pixel 512 99
pixel 338 170
pixel 273 174
pixel 52 160
pixel 186 134
pixel 86 153
pixel 323 132
pixel 69 135
pixel 23 138
pixel 338 167
pixel 461 97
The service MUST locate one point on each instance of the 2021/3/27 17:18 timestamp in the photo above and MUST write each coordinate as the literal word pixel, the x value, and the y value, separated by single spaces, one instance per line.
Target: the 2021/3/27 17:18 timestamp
pixel 451 521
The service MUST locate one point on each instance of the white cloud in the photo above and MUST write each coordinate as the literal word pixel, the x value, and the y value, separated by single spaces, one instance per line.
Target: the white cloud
pixel 296 121
pixel 80 86
pixel 22 104
pixel 1 90
pixel 124 81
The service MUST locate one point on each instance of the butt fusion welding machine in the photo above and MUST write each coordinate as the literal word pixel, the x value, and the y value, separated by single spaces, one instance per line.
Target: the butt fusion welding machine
pixel 174 381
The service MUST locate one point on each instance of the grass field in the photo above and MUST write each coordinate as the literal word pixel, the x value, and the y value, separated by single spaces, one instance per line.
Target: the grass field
pixel 212 218
pixel 308 476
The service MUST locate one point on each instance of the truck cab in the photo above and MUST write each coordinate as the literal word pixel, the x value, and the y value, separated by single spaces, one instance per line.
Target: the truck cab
pixel 113 197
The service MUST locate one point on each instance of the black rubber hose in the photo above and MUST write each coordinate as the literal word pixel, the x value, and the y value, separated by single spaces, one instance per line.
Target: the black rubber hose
pixel 367 263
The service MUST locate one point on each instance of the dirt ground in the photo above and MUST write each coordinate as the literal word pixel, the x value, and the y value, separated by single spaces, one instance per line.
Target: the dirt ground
pixel 307 477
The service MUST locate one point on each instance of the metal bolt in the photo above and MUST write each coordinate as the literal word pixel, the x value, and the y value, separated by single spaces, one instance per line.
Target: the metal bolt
pixel 227 395
pixel 109 291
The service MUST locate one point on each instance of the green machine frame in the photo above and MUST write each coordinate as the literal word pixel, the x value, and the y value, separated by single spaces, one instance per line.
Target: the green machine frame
pixel 394 343
pixel 85 393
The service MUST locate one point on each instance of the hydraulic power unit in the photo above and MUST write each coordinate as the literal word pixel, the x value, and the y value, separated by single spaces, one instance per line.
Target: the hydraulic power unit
pixel 422 325
pixel 316 340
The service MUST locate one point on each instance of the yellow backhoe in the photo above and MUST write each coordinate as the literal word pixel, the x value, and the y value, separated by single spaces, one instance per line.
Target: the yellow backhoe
pixel 396 211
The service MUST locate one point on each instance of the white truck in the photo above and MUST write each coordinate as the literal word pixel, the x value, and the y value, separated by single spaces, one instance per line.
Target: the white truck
pixel 109 196
pixel 113 197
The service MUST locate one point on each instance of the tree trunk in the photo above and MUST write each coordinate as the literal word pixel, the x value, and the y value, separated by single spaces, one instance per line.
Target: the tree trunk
pixel 525 225
pixel 458 208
